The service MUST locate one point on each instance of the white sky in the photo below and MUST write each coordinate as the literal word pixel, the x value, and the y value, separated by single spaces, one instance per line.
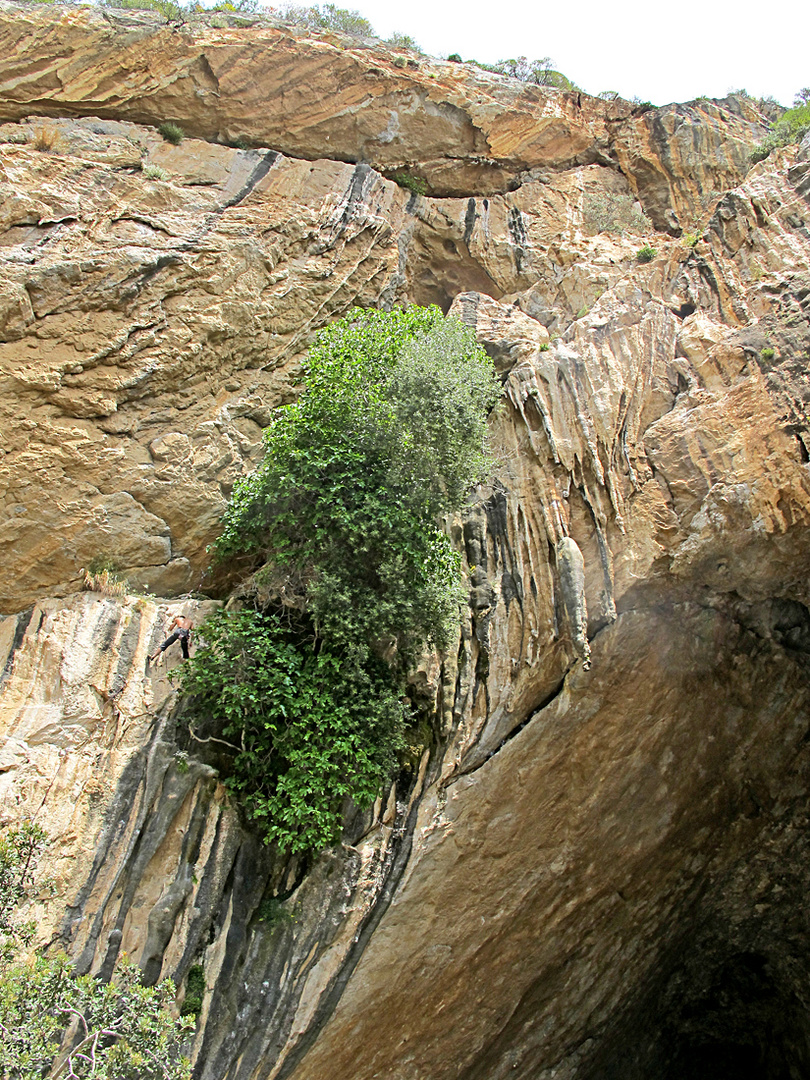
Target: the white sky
pixel 659 52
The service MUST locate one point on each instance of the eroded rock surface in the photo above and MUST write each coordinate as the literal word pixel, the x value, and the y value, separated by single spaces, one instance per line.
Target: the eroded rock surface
pixel 594 872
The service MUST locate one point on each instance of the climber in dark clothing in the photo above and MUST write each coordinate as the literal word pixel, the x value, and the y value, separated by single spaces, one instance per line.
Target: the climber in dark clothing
pixel 181 625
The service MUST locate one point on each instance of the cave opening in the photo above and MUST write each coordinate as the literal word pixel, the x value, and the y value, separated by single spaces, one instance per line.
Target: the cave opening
pixel 741 1017
pixel 744 1020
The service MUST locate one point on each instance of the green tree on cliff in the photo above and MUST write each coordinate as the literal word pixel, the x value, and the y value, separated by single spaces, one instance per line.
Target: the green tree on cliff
pixel 355 575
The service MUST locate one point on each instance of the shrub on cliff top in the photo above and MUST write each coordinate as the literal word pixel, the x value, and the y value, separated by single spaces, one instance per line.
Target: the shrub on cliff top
pixel 539 72
pixel 388 434
pixel 170 10
pixel 327 17
pixel 790 128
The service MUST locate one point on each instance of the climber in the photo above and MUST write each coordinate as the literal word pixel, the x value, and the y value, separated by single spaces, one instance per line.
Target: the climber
pixel 181 625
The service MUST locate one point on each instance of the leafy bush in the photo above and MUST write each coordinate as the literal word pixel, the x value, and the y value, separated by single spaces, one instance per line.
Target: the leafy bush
pixel 690 239
pixel 646 254
pixel 767 354
pixel 170 10
pixel 455 57
pixel 328 17
pixel 539 72
pixel 59 1025
pixel 313 727
pixel 542 73
pixel 790 128
pixel 402 41
pixel 20 847
pixel 236 7
pixel 121 1030
pixel 614 212
pixel 388 434
pixel 172 133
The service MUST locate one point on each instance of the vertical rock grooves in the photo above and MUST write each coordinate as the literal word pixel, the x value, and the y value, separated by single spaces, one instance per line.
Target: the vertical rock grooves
pixel 397 863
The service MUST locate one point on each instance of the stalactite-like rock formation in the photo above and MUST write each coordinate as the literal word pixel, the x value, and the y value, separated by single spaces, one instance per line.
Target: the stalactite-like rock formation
pixel 596 871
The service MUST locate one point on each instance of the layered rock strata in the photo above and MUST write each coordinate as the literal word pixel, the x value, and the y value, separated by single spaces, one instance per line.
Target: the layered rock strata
pixel 595 871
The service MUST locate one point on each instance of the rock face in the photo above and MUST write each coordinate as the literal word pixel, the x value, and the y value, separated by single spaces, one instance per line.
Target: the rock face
pixel 596 871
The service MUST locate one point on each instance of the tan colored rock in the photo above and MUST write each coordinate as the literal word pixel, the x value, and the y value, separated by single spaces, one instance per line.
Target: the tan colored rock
pixel 464 130
pixel 586 857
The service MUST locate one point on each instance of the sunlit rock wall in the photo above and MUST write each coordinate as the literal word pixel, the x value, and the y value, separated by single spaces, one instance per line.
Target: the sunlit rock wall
pixel 607 837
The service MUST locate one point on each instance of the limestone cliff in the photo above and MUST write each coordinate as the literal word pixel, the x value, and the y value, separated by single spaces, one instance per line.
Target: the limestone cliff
pixel 596 871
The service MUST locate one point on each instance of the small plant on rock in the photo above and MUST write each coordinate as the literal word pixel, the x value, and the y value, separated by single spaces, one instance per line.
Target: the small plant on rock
pixel 646 254
pixel 402 41
pixel 415 184
pixel 195 992
pixel 767 354
pixel 172 133
pixel 102 576
pixel 153 172
pixel 614 212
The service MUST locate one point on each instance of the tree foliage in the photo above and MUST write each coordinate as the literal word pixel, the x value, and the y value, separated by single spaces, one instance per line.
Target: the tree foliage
pixel 790 128
pixel 388 435
pixel 540 72
pixel 313 726
pixel 326 17
pixel 57 1025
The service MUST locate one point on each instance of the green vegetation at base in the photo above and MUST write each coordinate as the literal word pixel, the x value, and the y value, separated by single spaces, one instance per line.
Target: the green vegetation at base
pixel 60 1025
pixel 355 575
